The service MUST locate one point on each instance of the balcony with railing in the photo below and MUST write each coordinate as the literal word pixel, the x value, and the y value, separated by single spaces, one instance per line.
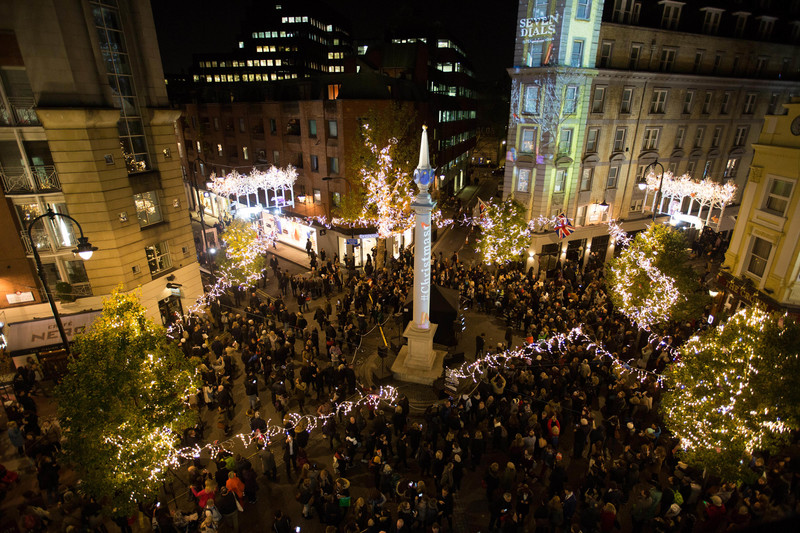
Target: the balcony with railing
pixel 22 112
pixel 20 180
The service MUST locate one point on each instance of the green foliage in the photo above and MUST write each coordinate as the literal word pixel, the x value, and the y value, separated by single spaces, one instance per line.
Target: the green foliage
pixel 123 404
pixel 392 126
pixel 243 260
pixel 666 248
pixel 504 236
pixel 64 292
pixel 735 391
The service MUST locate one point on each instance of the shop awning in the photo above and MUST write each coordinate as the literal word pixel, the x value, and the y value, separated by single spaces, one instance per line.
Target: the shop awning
pixel 34 334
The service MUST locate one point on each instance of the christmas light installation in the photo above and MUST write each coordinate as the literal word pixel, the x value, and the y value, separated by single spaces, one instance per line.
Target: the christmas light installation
pixel 388 395
pixel 734 391
pixel 278 181
pixel 388 189
pixel 555 348
pixel 707 194
pixel 656 293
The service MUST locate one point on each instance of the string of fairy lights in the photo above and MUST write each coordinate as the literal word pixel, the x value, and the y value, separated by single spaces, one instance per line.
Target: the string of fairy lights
pixel 554 347
pixel 662 293
pixel 734 417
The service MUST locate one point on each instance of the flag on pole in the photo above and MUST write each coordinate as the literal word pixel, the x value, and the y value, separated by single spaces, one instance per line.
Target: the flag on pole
pixel 481 209
pixel 563 226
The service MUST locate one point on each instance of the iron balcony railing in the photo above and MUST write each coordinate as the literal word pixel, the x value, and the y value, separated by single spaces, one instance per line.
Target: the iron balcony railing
pixel 24 111
pixel 18 180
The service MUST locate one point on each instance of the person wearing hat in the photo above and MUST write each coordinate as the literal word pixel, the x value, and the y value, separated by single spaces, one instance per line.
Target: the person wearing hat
pixel 715 513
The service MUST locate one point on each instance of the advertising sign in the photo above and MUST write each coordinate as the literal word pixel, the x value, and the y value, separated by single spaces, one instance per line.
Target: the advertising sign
pixel 39 333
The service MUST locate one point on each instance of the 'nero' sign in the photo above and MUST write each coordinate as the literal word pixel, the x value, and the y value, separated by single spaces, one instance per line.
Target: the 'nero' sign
pixel 539 28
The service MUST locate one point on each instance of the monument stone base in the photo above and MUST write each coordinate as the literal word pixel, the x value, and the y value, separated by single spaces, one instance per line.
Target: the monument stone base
pixel 417 361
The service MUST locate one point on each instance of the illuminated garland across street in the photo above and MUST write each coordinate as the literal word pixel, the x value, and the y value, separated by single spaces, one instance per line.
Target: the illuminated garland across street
pixel 662 294
pixel 291 421
pixel 532 354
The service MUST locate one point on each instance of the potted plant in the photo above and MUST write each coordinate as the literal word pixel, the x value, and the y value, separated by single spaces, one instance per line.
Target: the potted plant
pixel 64 292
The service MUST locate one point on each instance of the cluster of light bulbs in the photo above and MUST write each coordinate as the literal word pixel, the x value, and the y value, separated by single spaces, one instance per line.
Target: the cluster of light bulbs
pixel 662 293
pixel 729 386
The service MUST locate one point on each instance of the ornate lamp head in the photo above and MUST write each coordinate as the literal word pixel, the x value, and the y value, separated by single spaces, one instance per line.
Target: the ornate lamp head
pixel 424 174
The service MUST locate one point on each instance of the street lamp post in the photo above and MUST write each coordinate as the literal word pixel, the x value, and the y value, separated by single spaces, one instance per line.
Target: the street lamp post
pixel 84 250
pixel 643 185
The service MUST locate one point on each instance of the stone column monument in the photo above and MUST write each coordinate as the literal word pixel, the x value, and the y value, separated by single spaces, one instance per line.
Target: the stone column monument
pixel 418 362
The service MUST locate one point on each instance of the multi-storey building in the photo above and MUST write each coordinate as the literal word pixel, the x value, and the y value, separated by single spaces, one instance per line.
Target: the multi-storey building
pixel 439 68
pixel 313 135
pixel 763 260
pixel 86 130
pixel 600 90
pixel 283 41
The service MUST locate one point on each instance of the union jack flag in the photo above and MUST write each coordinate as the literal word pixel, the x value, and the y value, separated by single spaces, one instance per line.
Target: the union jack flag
pixel 563 226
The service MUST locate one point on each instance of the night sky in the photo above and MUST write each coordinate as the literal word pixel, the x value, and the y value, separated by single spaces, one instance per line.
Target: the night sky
pixel 484 29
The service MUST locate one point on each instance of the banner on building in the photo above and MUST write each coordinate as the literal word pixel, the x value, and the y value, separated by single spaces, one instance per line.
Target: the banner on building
pixel 35 334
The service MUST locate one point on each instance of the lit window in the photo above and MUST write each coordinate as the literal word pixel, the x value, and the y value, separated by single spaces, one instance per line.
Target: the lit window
pixel 333 129
pixel 759 255
pixel 561 180
pixel 584 9
pixel 627 99
pixel 570 99
pixel 680 136
pixel 148 209
pixel 219 150
pixel 245 153
pixel 598 99
pixel 586 179
pixel 741 135
pixel 524 180
pixel 591 139
pixel 530 100
pixel 651 139
pixel 619 139
pixel 528 141
pixel 613 174
pixel 659 102
pixel 778 196
pixel 158 258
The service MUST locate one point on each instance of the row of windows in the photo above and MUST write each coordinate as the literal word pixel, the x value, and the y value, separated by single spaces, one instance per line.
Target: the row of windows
pixel 742 23
pixel 452 115
pixel 658 103
pixel 666 61
pixel 455 139
pixel 451 90
pixel 295 160
pixel 650 138
pixel 454 67
pixel 447 43
pixel 225 78
pixel 271 34
pixel 779 202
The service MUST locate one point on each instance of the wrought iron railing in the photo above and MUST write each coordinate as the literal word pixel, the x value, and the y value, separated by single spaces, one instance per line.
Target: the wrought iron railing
pixel 44 178
pixel 24 111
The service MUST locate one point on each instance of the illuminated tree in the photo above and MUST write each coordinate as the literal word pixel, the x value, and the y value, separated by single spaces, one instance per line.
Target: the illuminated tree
pixel 244 261
pixel 504 234
pixel 123 404
pixel 652 282
pixel 735 391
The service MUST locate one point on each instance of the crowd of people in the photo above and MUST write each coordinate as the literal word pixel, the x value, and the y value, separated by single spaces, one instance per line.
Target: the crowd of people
pixel 564 440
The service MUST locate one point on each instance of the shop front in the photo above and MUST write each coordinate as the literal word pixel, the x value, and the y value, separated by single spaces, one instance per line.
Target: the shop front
pixel 290 231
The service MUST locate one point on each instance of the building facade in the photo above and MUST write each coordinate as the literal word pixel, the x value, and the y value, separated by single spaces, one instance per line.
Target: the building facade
pixel 86 130
pixel 762 263
pixel 600 90
pixel 283 41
